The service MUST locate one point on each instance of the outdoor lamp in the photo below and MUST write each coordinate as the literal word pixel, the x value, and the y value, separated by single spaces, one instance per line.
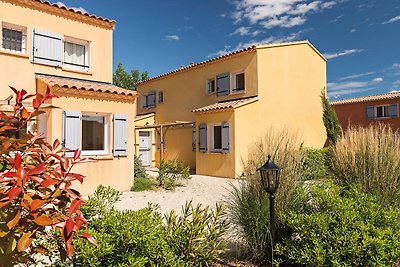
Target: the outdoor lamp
pixel 270 181
pixel 270 176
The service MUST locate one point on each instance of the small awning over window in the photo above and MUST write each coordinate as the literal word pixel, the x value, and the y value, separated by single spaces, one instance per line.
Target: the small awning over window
pixel 230 104
pixel 78 85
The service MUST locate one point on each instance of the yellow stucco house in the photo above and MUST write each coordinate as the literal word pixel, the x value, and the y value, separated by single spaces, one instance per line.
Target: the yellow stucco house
pixel 210 113
pixel 46 44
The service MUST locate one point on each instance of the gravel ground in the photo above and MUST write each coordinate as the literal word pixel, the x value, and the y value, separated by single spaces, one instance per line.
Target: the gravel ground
pixel 205 190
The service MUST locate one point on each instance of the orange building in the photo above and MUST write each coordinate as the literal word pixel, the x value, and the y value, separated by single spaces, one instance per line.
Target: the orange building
pixel 367 110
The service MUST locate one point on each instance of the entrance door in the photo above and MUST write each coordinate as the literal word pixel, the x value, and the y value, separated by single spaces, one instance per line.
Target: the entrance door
pixel 145 147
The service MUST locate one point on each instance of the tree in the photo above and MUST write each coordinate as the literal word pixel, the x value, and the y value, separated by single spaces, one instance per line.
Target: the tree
pixel 121 77
pixel 331 120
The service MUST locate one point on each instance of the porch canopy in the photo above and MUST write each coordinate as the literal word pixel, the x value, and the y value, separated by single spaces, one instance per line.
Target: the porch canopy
pixel 162 129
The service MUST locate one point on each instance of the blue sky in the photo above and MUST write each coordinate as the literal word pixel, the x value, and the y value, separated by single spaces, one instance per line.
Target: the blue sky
pixel 360 38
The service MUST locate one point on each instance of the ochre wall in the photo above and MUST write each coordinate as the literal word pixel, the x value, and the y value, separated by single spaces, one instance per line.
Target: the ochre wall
pixel 107 170
pixel 291 79
pixel 18 71
pixel 355 114
pixel 217 164
pixel 186 91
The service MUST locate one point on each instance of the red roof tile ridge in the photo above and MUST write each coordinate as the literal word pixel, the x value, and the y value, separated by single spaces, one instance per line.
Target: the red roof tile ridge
pixel 366 98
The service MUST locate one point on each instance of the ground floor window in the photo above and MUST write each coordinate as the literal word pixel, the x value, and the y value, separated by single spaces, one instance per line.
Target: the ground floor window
pixel 216 138
pixel 94 132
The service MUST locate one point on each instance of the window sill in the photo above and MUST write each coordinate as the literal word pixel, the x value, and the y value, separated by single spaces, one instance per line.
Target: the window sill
pixel 15 54
pixel 88 72
pixel 99 157
pixel 237 92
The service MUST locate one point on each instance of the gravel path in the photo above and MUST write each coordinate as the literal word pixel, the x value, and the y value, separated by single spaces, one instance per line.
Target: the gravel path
pixel 205 190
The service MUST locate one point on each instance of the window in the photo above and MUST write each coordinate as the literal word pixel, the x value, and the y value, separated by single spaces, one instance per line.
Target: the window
pixel 238 82
pixel 382 111
pixel 149 100
pixel 161 97
pixel 216 138
pixel 210 86
pixel 95 134
pixel 76 54
pixel 13 38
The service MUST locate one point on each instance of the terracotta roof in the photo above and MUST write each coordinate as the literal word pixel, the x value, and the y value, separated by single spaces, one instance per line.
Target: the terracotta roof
pixel 62 7
pixel 366 98
pixel 193 65
pixel 85 85
pixel 232 104
pixel 232 54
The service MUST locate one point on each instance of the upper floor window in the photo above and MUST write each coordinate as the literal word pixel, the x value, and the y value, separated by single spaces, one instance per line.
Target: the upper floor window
pixel 382 111
pixel 226 83
pixel 76 54
pixel 210 86
pixel 149 100
pixel 238 82
pixel 13 38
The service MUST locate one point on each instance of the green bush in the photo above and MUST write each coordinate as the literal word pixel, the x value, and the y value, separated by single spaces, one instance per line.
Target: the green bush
pixel 128 238
pixel 139 170
pixel 341 227
pixel 316 163
pixel 248 203
pixel 370 157
pixel 142 184
pixel 196 234
pixel 170 172
pixel 101 202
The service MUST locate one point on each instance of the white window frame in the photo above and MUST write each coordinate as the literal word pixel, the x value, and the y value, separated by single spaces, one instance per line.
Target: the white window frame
pixel 208 92
pixel 383 111
pixel 107 137
pixel 210 135
pixel 86 44
pixel 10 26
pixel 233 84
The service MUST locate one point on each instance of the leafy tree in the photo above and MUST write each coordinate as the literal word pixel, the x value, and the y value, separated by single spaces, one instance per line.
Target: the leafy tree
pixel 331 120
pixel 122 78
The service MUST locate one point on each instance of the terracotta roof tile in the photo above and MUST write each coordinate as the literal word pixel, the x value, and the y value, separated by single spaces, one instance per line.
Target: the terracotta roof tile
pixel 366 98
pixel 86 85
pixel 227 104
pixel 232 54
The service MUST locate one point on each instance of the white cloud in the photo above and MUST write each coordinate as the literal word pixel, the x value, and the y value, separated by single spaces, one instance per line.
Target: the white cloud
pixel 353 30
pixel 338 18
pixel 346 88
pixel 172 38
pixel 269 40
pixel 278 13
pixel 244 31
pixel 396 66
pixel 378 80
pixel 81 9
pixel 342 53
pixel 355 76
pixel 397 18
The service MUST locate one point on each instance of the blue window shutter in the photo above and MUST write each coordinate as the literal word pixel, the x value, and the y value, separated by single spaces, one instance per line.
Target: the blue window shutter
pixel 47 48
pixel 393 110
pixel 151 99
pixel 225 137
pixel 120 135
pixel 194 138
pixel 370 112
pixel 203 137
pixel 223 84
pixel 71 131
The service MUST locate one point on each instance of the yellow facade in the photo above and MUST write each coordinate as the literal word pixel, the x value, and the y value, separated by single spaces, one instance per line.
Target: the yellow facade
pixel 18 69
pixel 285 80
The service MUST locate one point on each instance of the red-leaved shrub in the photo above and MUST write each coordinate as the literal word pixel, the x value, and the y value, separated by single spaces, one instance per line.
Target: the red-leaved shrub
pixel 36 198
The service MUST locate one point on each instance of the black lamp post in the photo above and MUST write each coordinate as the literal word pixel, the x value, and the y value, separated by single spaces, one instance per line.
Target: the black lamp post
pixel 270 181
